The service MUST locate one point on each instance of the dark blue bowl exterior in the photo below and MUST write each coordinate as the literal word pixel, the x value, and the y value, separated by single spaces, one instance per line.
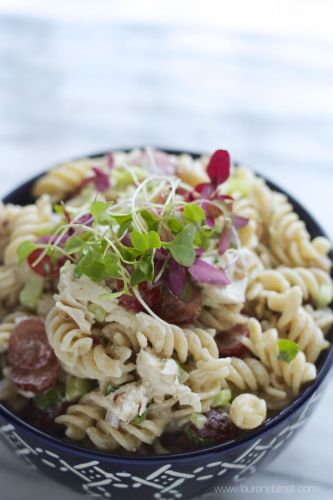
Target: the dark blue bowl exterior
pixel 164 478
pixel 187 475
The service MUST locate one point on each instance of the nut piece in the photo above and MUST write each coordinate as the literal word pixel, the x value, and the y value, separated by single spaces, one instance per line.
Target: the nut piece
pixel 247 411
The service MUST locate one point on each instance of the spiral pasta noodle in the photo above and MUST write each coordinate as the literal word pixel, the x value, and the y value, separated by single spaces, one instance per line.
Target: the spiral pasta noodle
pixel 264 345
pixel 296 324
pixel 77 352
pixel 10 284
pixel 166 339
pixel 66 178
pixel 88 419
pixel 30 221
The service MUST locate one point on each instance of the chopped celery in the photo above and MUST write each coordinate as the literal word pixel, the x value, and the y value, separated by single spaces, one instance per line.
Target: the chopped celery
pixel 288 350
pixel 97 311
pixel 50 397
pixel 140 418
pixel 222 398
pixel 325 295
pixel 109 389
pixel 32 291
pixel 182 374
pixel 122 177
pixel 198 420
pixel 77 387
pixel 241 186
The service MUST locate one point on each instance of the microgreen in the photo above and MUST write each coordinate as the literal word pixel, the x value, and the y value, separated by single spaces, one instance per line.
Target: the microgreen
pixel 193 213
pixel 25 249
pixel 99 207
pixel 99 179
pixel 154 234
pixel 181 247
pixel 144 242
pixel 288 350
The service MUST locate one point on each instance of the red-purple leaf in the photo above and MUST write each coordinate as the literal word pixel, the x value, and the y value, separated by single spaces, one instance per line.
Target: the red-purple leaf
pixel 207 273
pixel 100 179
pixel 110 161
pixel 225 239
pixel 176 277
pixel 239 221
pixel 209 219
pixel 224 197
pixel 218 167
pixel 85 219
pixel 205 189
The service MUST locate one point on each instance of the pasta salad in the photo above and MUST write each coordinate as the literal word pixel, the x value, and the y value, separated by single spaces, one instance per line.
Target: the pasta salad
pixel 157 303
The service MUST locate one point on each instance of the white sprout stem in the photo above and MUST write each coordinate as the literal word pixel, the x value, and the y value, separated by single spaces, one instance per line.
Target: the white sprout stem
pixel 159 275
pixel 150 311
pixel 132 173
pixel 136 219
pixel 152 159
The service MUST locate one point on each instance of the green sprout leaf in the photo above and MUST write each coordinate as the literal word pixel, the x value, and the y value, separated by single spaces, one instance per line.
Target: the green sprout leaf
pixel 175 225
pixel 75 244
pixel 98 208
pixel 150 219
pixel 194 213
pixel 25 249
pixel 288 350
pixel 181 247
pixel 144 242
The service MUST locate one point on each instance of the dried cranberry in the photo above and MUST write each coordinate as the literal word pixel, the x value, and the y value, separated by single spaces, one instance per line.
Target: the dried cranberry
pixel 179 310
pixel 217 429
pixel 229 342
pixel 151 295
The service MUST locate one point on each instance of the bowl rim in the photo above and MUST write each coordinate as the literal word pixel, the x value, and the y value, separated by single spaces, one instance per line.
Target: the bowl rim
pixel 187 456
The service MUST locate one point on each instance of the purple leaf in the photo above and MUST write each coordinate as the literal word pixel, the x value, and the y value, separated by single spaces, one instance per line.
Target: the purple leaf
pixel 239 221
pixel 100 179
pixel 43 239
pixel 207 273
pixel 209 219
pixel 199 252
pixel 85 219
pixel 126 240
pixel 110 161
pixel 218 167
pixel 205 189
pixel 225 239
pixel 176 277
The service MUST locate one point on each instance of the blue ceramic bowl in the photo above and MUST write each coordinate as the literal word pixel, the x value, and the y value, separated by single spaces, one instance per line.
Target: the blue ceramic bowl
pixel 182 475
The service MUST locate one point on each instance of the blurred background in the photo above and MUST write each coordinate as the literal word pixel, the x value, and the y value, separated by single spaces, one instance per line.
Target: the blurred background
pixel 254 77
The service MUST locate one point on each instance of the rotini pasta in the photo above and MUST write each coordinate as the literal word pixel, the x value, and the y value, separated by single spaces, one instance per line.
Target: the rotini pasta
pixel 296 324
pixel 65 179
pixel 30 222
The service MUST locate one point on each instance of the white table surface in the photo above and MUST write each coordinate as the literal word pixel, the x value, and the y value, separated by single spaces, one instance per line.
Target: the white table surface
pixel 68 88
